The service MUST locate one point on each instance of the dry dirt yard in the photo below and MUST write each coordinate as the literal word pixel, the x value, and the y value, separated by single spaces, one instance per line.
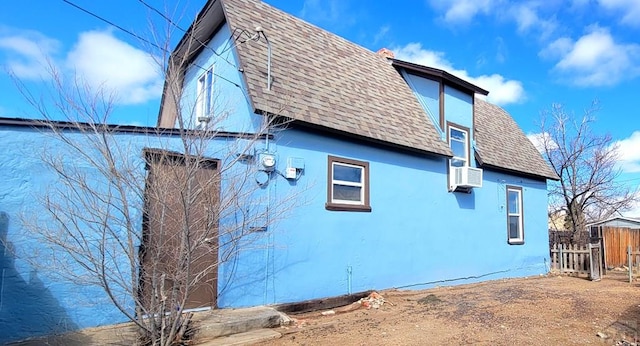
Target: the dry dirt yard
pixel 550 310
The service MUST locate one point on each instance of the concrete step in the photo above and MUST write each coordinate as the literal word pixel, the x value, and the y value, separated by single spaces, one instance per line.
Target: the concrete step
pixel 223 322
pixel 247 338
pixel 209 325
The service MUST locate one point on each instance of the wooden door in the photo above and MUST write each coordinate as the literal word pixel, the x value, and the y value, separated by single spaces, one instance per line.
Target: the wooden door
pixel 180 238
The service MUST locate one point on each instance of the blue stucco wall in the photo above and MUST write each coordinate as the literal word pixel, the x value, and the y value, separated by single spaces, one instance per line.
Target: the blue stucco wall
pixel 427 91
pixel 33 301
pixel 458 107
pixel 417 234
pixel 232 111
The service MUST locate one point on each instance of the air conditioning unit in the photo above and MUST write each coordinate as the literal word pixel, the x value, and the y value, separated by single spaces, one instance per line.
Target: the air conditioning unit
pixel 465 177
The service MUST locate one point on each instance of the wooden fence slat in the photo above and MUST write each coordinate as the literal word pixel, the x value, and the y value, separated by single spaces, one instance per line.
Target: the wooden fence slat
pixel 616 240
pixel 570 258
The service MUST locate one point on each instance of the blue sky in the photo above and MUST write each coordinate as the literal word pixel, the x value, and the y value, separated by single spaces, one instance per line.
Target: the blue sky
pixel 528 54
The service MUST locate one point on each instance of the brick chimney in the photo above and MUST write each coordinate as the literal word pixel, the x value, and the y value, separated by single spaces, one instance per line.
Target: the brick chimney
pixel 385 53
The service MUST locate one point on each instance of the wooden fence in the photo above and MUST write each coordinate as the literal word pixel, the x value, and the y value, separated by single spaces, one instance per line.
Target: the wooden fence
pixel 616 242
pixel 570 259
pixel 633 262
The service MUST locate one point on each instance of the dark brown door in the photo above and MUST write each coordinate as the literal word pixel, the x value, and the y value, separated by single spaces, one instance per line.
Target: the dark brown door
pixel 180 239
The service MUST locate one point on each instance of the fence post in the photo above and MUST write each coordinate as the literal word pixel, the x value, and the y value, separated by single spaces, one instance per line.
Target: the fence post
pixel 629 262
pixel 561 259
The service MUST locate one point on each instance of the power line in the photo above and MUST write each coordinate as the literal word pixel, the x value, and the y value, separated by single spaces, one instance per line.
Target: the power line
pixel 110 23
pixel 147 41
pixel 175 25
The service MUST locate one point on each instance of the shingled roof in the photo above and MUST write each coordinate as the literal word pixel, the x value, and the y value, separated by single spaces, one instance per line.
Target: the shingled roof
pixel 500 143
pixel 323 80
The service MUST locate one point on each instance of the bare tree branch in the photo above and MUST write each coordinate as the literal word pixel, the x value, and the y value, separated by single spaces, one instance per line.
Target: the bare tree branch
pixel 149 225
pixel 587 166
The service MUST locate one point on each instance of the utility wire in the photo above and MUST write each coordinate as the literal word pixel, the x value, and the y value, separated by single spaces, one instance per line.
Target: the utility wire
pixel 175 25
pixel 110 23
pixel 146 41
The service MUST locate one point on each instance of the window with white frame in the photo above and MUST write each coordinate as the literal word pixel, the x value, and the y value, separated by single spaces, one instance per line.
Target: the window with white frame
pixel 348 185
pixel 204 105
pixel 515 222
pixel 459 144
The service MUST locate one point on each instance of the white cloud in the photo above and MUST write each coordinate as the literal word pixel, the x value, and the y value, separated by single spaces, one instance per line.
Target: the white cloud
pixel 98 58
pixel 27 53
pixel 527 18
pixel 557 49
pixel 502 52
pixel 539 139
pixel 628 153
pixel 103 60
pixel 595 59
pixel 634 212
pixel 527 15
pixel 382 32
pixel 630 10
pixel 462 11
pixel 501 90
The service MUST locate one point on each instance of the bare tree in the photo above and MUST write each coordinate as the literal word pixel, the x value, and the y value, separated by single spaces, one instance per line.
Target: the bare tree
pixel 142 216
pixel 587 166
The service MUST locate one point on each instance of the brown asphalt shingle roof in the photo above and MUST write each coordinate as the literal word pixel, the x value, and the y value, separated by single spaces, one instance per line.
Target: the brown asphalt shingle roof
pixel 501 143
pixel 325 80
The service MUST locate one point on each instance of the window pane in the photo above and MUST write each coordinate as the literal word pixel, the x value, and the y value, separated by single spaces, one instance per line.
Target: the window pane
pixel 458 149
pixel 347 173
pixel 514 205
pixel 514 227
pixel 457 134
pixel 347 193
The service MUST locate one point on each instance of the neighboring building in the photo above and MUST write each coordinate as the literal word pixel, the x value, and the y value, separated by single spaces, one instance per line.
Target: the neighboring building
pixel 404 177
pixel 618 221
pixel 617 234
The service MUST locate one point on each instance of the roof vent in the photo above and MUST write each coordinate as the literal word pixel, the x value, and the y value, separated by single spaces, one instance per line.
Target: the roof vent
pixel 386 53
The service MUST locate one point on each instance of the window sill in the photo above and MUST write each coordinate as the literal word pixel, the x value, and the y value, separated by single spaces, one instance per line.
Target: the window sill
pixel 347 207
pixel 515 242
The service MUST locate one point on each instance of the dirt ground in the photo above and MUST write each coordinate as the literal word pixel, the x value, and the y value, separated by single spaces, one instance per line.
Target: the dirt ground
pixel 550 310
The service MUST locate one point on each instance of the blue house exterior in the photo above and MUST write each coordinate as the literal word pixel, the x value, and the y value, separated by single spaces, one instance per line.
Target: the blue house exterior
pixel 406 224
pixel 403 176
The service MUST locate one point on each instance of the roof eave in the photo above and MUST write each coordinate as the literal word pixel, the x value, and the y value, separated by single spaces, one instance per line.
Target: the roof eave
pixel 201 30
pixel 437 73
pixel 312 126
pixel 519 172
pixel 627 219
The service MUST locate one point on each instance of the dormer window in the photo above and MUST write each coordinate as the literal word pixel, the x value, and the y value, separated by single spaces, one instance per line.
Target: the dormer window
pixel 462 177
pixel 459 144
pixel 204 104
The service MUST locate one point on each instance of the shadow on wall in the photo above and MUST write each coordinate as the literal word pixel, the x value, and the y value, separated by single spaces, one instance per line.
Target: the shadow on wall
pixel 466 200
pixel 27 307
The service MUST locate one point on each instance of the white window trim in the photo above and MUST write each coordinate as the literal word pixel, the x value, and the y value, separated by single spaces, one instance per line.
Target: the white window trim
pixel 466 158
pixel 520 215
pixel 361 184
pixel 205 95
